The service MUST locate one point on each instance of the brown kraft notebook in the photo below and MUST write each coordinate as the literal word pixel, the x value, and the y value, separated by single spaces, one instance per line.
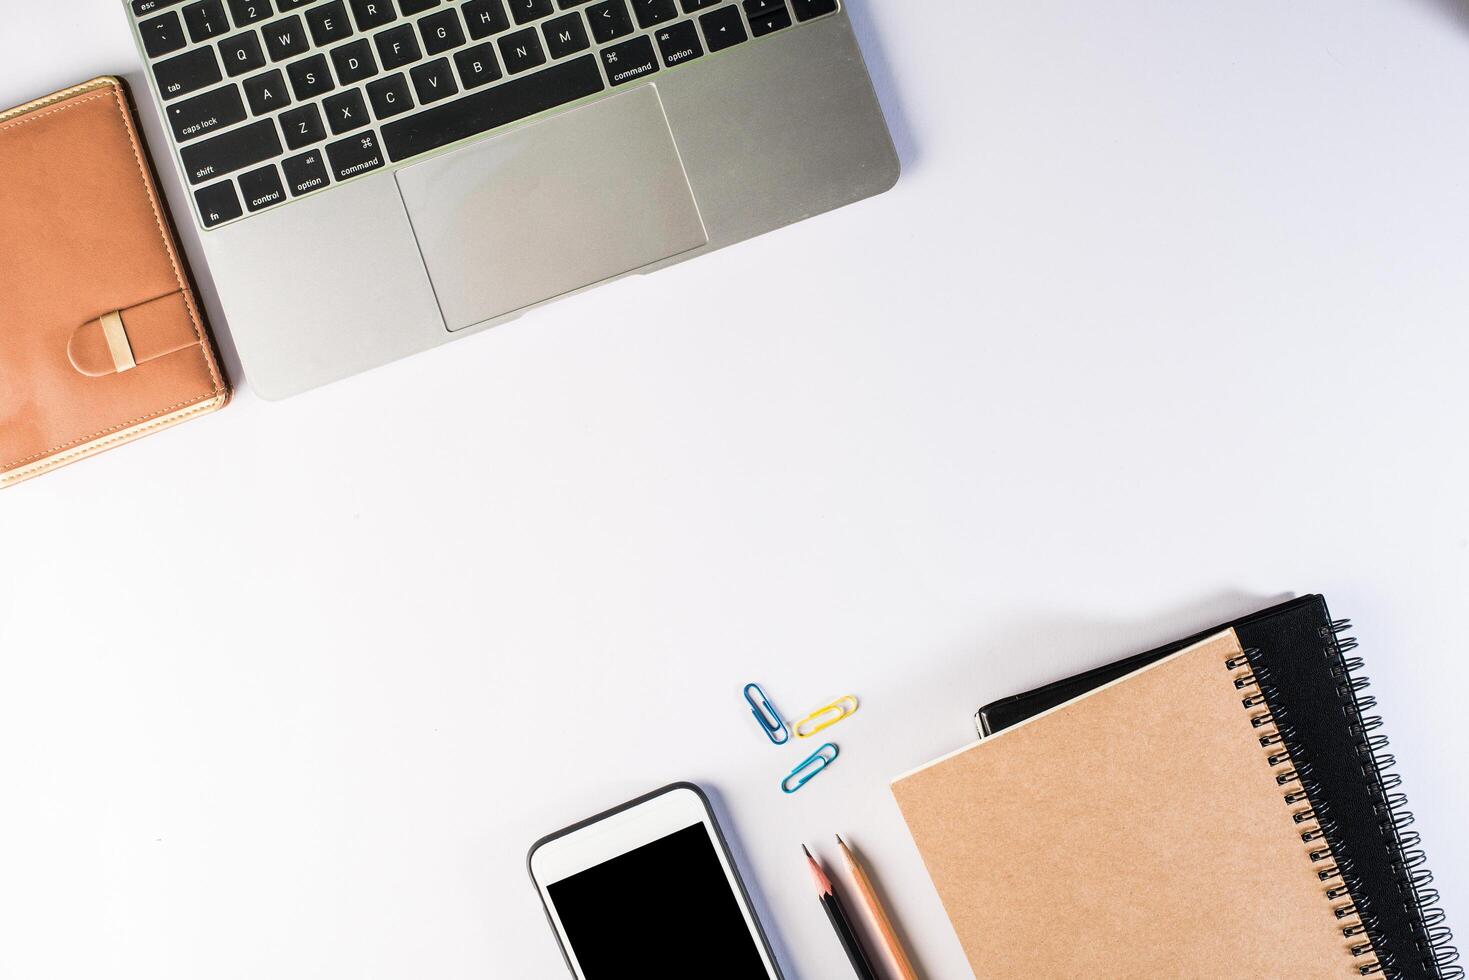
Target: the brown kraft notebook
pixel 1151 828
pixel 101 340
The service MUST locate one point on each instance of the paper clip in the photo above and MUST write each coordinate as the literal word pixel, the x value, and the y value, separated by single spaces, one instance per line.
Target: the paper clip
pixel 825 717
pixel 766 715
pixel 807 770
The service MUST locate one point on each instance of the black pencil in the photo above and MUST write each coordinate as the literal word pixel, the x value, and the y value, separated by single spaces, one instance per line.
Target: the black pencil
pixel 839 921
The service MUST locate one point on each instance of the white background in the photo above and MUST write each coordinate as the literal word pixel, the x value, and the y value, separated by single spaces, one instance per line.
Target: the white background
pixel 1164 322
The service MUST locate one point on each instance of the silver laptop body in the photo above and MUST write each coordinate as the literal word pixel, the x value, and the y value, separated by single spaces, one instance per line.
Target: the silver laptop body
pixel 369 185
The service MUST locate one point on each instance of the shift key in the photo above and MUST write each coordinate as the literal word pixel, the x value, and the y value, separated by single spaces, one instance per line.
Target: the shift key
pixel 228 152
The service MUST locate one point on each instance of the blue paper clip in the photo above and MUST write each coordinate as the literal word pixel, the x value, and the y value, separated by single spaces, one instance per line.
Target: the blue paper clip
pixel 766 715
pixel 807 770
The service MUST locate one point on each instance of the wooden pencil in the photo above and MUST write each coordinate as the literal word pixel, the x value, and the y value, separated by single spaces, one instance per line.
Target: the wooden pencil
pixel 839 921
pixel 897 957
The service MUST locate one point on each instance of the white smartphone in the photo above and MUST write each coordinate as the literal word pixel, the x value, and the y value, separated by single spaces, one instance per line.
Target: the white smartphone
pixel 648 889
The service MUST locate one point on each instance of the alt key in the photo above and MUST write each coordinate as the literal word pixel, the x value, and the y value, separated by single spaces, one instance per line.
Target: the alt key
pixel 305 173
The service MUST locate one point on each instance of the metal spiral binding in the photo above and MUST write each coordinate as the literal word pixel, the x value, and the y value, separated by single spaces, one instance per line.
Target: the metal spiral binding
pixel 1316 827
pixel 1435 945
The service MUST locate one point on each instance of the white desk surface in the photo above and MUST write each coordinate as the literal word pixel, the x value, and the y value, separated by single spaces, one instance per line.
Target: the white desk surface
pixel 1165 320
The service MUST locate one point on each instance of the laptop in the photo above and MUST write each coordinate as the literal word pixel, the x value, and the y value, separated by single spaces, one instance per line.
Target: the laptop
pixel 372 178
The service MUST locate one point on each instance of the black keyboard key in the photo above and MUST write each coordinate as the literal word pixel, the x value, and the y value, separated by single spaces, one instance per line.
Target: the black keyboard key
pixel 526 11
pixel 187 72
pixel 302 126
pixel 142 8
pixel 267 93
pixel 441 32
pixel 390 96
pixel 241 53
pixel 411 7
pixel 485 17
pixel 305 173
pixel 477 65
pixel 723 28
pixel 776 20
pixel 691 6
pixel 328 23
pixel 199 116
pixel 609 20
pixel 228 152
pixel 354 155
pixel 345 112
pixel 206 20
pixel 522 51
pixel 285 38
pixel 371 14
pixel 433 80
pixel 262 188
pixel 218 203
pixel 653 12
pixel 565 35
pixel 162 35
pixel 310 77
pixel 807 9
pixel 397 47
pixel 354 62
pixel 247 12
pixel 678 43
pixel 285 5
pixel 762 8
pixel 492 107
pixel 629 61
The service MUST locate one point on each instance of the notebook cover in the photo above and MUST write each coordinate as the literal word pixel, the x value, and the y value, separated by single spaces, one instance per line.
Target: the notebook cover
pixel 101 340
pixel 1008 711
pixel 1140 830
pixel 1315 689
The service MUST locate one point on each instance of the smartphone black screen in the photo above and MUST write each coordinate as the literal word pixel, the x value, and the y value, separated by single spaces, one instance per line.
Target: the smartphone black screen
pixel 665 909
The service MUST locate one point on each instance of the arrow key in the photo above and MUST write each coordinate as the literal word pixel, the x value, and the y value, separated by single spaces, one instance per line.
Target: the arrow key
pixel 777 20
pixel 723 28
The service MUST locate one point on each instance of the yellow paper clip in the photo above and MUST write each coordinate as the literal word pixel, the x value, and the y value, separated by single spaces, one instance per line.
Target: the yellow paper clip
pixel 823 718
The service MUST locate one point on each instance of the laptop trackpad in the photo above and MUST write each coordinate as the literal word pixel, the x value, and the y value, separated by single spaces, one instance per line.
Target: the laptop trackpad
pixel 551 207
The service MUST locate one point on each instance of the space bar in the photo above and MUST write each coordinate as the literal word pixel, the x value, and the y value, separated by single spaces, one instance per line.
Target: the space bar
pixel 483 111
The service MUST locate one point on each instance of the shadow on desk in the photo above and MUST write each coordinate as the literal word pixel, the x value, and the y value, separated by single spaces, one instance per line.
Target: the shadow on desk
pixel 878 66
pixel 1458 10
pixel 761 907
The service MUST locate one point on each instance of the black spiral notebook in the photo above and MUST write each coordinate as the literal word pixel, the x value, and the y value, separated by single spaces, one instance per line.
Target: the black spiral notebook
pixel 1313 687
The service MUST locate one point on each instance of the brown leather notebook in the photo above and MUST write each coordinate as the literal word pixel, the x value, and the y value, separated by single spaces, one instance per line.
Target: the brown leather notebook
pixel 101 340
pixel 1154 827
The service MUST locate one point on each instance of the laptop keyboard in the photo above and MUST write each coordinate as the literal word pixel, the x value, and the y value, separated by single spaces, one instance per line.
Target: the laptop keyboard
pixel 271 100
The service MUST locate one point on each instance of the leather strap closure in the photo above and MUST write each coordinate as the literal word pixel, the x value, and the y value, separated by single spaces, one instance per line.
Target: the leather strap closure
pixel 122 339
pixel 116 336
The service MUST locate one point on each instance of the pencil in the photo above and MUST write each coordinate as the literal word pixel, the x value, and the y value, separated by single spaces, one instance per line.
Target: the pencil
pixel 891 944
pixel 839 921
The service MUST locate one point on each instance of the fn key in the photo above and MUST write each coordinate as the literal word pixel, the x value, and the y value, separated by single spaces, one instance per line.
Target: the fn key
pixel 218 203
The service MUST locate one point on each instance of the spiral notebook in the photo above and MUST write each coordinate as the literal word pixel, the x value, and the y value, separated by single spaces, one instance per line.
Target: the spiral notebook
pixel 1155 826
pixel 1314 686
